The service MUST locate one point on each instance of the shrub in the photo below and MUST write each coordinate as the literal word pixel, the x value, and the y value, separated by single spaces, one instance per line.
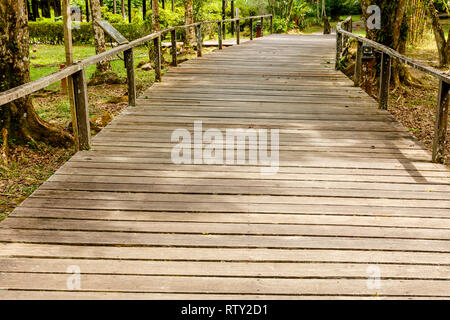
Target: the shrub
pixel 53 32
pixel 279 25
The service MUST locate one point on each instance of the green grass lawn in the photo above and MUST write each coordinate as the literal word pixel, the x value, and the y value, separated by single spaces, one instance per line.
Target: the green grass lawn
pixel 55 54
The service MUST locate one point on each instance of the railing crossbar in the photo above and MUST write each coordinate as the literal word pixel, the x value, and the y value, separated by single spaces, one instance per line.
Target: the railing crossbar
pixel 387 55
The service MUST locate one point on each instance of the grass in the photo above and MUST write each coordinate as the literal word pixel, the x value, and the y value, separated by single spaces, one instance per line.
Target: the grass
pixel 46 56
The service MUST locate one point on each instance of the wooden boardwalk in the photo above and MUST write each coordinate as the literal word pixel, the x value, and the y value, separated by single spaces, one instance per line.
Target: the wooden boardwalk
pixel 355 196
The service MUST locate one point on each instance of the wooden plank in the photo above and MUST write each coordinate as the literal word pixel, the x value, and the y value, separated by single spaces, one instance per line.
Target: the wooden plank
pixel 354 189
pixel 230 269
pixel 239 218
pixel 216 285
pixel 228 229
pixel 224 241
pixel 263 255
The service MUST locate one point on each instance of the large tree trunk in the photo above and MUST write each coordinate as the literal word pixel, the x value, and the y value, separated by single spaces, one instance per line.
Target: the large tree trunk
pixel 155 27
pixel 439 35
pixel 155 16
pixel 18 119
pixel 189 19
pixel 100 44
pixel 393 32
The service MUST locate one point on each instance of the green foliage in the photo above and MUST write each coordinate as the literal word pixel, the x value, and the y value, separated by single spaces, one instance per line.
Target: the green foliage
pixel 51 32
pixel 280 25
pixel 168 18
pixel 111 17
pixel 337 8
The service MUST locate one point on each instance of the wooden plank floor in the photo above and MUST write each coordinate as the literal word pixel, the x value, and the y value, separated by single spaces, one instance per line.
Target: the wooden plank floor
pixel 355 195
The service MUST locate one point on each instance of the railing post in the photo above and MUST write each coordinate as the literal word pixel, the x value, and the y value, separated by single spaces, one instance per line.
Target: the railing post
pixel 198 29
pixel 384 80
pixel 157 48
pixel 173 35
pixel 271 24
pixel 82 109
pixel 131 80
pixel 440 130
pixel 358 65
pixel 251 29
pixel 262 26
pixel 238 32
pixel 338 50
pixel 220 24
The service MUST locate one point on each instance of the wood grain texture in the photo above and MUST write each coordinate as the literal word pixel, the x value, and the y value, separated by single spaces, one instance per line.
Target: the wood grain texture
pixel 354 193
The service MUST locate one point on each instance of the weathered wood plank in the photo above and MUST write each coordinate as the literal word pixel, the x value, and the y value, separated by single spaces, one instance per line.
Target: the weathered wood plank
pixel 354 189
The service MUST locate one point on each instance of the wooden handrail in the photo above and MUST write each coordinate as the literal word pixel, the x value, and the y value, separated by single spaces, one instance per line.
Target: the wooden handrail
pixel 30 87
pixel 441 75
pixel 78 70
pixel 387 54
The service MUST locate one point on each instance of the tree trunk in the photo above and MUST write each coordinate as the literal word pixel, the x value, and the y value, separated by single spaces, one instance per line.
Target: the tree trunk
pixel 173 5
pixel 326 22
pixel 115 6
pixel 291 6
pixel 155 16
pixel 189 19
pixel 57 8
pixel 29 11
pixel 144 8
pixel 35 8
pixel 393 32
pixel 100 44
pixel 123 9
pixel 88 15
pixel 45 6
pixel 129 11
pixel 155 27
pixel 439 35
pixel 18 119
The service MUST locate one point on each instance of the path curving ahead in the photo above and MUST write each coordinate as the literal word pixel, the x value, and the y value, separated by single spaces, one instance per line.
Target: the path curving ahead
pixel 356 209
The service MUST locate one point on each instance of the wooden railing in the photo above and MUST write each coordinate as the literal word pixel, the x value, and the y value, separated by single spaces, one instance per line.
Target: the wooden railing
pixel 344 32
pixel 77 73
